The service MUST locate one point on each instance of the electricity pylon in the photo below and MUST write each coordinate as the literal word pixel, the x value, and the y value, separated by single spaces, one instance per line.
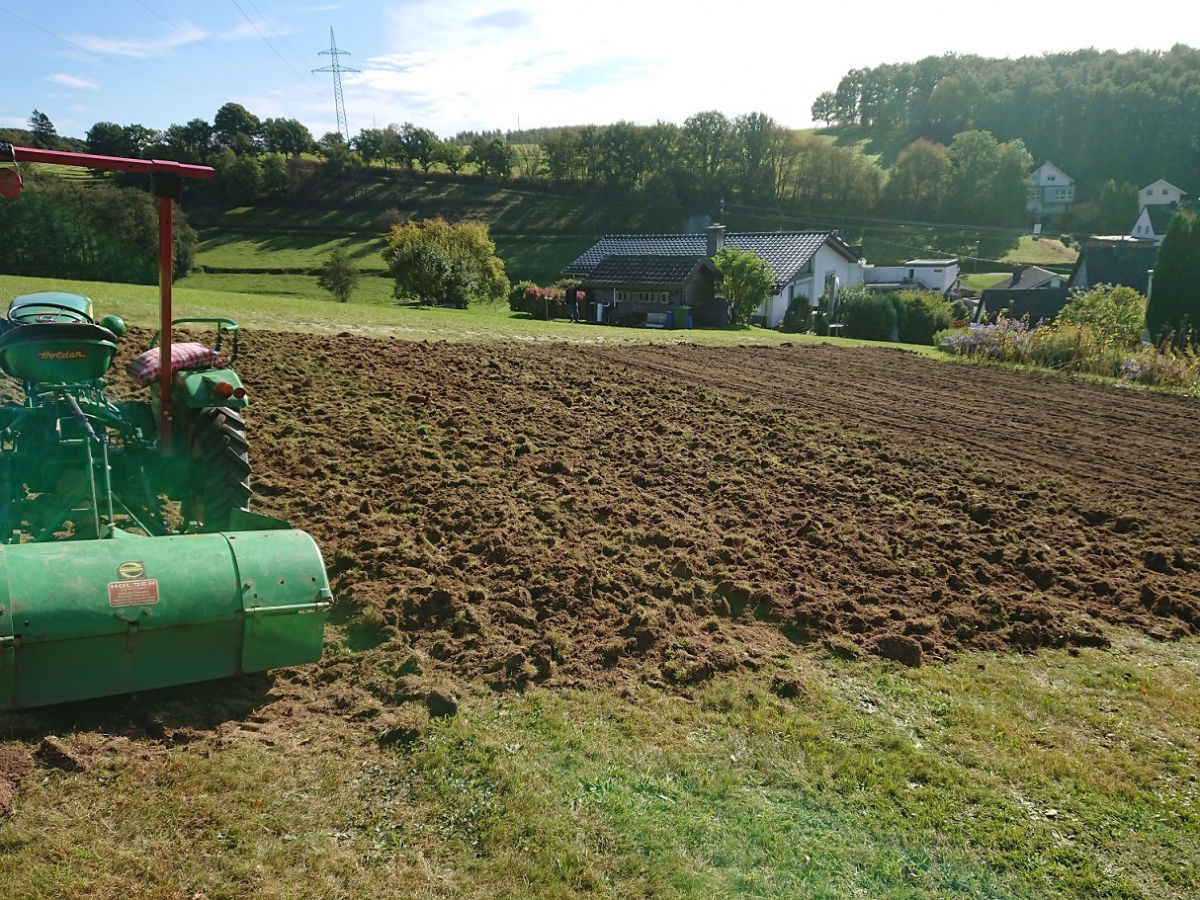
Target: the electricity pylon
pixel 337 69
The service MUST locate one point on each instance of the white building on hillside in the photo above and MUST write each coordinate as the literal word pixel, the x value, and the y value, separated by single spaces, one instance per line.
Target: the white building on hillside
pixel 1052 190
pixel 1161 193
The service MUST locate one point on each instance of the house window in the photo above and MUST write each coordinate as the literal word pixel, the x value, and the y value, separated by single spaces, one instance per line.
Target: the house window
pixel 1149 192
pixel 1164 191
pixel 1049 177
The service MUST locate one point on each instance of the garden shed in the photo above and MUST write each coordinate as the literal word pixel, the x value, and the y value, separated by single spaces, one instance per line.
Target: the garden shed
pixel 651 289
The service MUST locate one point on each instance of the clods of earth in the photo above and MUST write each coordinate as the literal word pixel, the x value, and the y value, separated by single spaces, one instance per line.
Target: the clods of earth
pixel 496 516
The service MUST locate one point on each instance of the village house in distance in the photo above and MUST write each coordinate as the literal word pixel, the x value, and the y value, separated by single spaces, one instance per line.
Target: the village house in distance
pixel 669 281
pixel 1159 203
pixel 1053 190
pixel 627 277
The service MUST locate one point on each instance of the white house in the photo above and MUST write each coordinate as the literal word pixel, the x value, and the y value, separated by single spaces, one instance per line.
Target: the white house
pixel 1152 222
pixel 1161 193
pixel 926 274
pixel 812 264
pixel 1052 190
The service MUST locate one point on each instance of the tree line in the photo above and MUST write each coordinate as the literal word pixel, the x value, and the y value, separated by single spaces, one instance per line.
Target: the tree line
pixel 1130 117
pixel 677 170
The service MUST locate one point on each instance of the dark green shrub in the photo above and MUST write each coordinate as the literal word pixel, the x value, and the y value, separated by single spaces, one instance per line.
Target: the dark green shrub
pixel 516 296
pixel 868 316
pixel 799 315
pixel 820 323
pixel 901 316
pixel 926 313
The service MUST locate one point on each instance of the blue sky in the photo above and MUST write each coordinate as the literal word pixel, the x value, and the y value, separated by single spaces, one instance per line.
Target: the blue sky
pixel 472 64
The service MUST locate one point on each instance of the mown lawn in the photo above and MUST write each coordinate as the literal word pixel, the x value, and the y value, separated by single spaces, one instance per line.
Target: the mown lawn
pixel 304 307
pixel 1055 776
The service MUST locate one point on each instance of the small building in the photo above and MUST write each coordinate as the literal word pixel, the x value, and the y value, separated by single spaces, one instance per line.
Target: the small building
pixel 921 274
pixel 809 264
pixel 1051 190
pixel 1161 193
pixel 1152 222
pixel 654 288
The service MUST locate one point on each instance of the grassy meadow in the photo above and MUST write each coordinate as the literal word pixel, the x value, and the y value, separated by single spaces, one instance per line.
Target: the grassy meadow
pixel 996 776
pixel 1056 775
pixel 298 304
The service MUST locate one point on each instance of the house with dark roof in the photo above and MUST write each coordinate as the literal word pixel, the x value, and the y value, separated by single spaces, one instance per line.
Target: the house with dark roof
pixel 807 264
pixel 1031 291
pixel 655 288
pixel 1152 222
pixel 1114 259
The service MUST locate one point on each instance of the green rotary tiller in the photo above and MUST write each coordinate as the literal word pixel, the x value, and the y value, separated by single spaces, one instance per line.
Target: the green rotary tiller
pixel 129 558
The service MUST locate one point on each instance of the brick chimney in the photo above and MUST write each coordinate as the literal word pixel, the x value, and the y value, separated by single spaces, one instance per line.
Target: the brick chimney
pixel 716 239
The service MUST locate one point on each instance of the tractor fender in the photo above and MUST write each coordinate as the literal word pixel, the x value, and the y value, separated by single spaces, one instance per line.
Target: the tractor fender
pixel 197 388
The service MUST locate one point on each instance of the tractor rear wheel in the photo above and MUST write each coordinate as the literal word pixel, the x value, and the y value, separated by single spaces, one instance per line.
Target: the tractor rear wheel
pixel 219 455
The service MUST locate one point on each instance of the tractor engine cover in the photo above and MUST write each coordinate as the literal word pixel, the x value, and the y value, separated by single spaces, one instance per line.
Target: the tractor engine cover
pixel 93 618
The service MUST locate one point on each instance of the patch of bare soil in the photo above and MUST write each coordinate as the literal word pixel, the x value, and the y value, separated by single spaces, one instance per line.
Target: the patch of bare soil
pixel 574 515
pixel 493 517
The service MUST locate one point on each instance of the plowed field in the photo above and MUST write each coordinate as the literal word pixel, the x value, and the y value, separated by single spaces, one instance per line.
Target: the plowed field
pixel 579 515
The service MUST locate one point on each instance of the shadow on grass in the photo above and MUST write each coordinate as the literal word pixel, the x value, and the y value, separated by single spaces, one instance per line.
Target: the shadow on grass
pixel 159 714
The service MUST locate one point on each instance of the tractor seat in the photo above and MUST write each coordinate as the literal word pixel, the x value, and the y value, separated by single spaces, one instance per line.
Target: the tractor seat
pixel 57 352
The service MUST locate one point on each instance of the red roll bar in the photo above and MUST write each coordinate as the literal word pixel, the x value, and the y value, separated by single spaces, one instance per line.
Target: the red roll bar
pixel 168 185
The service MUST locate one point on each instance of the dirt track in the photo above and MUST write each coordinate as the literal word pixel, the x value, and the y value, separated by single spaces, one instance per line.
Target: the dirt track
pixel 578 515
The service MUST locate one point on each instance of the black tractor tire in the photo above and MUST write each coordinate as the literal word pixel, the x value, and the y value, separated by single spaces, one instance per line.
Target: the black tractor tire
pixel 219 457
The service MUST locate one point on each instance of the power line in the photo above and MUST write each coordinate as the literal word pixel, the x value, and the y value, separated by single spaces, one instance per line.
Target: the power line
pixel 273 31
pixel 942 226
pixel 824 220
pixel 101 56
pixel 186 33
pixel 272 46
pixel 337 69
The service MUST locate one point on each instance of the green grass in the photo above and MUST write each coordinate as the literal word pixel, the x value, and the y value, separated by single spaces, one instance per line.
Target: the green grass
pixel 1040 252
pixel 304 307
pixel 1055 776
pixel 537 230
pixel 983 280
pixel 286 252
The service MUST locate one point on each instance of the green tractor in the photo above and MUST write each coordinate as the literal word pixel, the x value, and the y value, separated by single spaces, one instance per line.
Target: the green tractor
pixel 129 558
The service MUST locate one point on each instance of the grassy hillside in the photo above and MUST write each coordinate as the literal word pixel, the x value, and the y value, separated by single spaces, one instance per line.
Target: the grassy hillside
pixel 537 231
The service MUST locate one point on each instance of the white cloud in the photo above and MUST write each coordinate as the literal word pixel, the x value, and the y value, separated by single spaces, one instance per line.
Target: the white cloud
pixel 137 47
pixel 454 64
pixel 73 81
pixel 465 63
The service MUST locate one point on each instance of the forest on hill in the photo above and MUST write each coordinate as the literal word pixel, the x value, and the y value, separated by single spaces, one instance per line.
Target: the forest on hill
pixel 931 157
pixel 1131 117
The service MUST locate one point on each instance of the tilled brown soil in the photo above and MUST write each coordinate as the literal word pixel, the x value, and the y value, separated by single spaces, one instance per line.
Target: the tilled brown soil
pixel 570 514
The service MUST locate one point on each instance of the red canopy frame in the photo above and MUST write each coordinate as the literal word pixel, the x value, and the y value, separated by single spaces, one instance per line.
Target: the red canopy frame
pixel 168 186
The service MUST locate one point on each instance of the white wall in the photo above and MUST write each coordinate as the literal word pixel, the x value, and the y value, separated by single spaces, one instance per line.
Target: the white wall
pixel 934 278
pixel 812 285
pixel 1156 195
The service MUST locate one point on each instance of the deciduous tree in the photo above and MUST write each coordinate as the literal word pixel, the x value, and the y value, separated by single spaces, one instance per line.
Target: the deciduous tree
pixel 918 180
pixel 338 275
pixel 237 127
pixel 747 280
pixel 435 261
